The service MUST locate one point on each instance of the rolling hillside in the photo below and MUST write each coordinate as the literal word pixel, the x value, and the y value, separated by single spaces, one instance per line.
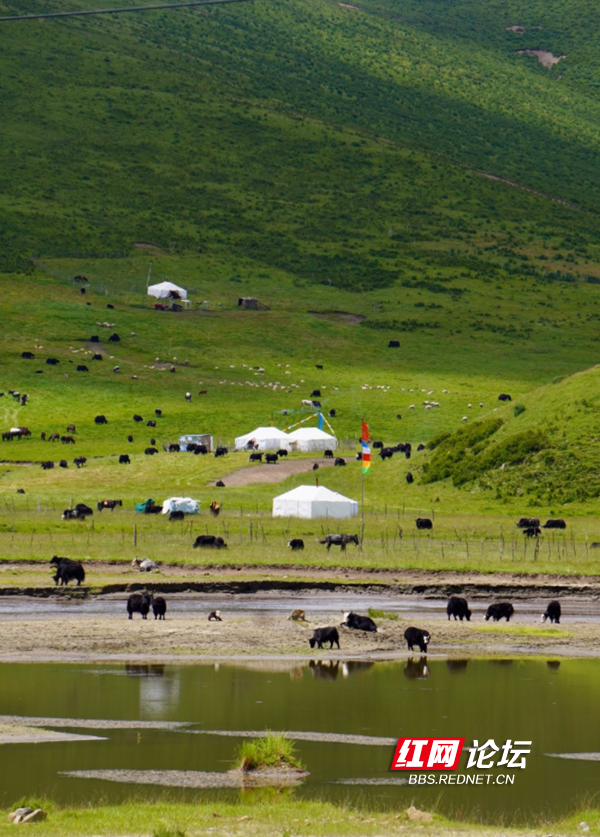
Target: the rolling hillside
pixel 331 159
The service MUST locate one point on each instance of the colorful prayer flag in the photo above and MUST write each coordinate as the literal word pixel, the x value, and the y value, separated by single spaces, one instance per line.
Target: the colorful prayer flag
pixel 366 450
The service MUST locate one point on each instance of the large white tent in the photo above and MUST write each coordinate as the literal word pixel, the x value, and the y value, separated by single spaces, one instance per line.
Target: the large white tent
pixel 307 439
pixel 265 438
pixel 166 290
pixel 310 501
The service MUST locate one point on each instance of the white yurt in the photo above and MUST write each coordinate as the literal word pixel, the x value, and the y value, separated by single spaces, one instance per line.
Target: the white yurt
pixel 183 504
pixel 264 438
pixel 307 439
pixel 310 501
pixel 167 290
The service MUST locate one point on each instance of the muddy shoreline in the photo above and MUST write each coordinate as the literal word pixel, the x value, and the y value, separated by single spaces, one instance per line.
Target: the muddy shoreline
pixel 48 624
pixel 286 579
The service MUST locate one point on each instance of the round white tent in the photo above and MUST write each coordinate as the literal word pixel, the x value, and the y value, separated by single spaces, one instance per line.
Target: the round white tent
pixel 265 438
pixel 167 290
pixel 307 439
pixel 310 501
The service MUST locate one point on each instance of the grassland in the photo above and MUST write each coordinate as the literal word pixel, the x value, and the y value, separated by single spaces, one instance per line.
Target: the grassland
pixel 326 160
pixel 271 812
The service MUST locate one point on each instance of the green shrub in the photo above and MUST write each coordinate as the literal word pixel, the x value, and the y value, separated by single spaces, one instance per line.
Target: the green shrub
pixel 451 451
pixel 518 409
pixel 270 751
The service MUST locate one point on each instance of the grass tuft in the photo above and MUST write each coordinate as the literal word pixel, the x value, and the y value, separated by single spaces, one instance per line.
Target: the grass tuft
pixel 268 751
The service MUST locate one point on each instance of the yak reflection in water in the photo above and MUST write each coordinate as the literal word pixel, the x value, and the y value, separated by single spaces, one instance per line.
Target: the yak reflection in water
pixel 416 669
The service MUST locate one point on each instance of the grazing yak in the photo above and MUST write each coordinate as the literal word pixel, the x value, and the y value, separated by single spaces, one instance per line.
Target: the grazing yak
pixel 221 451
pixel 174 448
pixel 176 515
pixel 532 532
pixel 255 457
pixel 340 461
pixel 151 451
pixel 82 368
pixel 139 603
pixel 137 418
pixel 418 637
pixel 424 523
pixel 555 524
pixel 458 607
pixel 282 452
pixel 153 508
pixel 67 570
pixel 295 544
pixel 63 463
pixel 409 478
pixel 271 459
pixel 150 423
pixel 100 420
pixel 124 459
pixel 328 454
pixel 340 540
pixel 83 510
pixel 80 461
pixel 215 616
pixel 144 565
pixel 386 453
pixel 109 504
pixel 500 610
pixel 159 608
pixel 504 397
pixel 214 541
pixel 359 623
pixel 528 522
pixel 315 466
pixel 553 612
pixel 322 635
pixel 27 355
pixel 52 361
pixel 220 484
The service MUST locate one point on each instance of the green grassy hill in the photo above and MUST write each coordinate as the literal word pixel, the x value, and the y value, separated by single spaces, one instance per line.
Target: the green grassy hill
pixel 328 159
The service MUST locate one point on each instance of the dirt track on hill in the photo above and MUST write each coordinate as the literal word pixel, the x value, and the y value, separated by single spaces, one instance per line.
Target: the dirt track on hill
pixel 279 472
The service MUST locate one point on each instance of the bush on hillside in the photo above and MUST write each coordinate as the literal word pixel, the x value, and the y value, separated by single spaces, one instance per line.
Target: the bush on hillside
pixel 518 409
pixel 452 450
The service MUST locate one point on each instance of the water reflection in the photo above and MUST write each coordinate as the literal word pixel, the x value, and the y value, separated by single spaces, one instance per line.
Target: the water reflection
pixel 141 670
pixel 416 669
pixel 159 695
pixel 324 670
pixel 455 666
pixel 349 733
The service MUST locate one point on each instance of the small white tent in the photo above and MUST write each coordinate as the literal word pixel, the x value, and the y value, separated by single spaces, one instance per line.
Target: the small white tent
pixel 166 290
pixel 183 504
pixel 266 438
pixel 307 439
pixel 310 501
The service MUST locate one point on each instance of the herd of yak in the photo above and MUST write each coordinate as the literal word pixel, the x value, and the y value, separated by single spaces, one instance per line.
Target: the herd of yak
pixel 457 607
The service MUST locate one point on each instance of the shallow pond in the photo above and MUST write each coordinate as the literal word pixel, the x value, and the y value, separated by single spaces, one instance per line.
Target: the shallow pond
pixel 551 703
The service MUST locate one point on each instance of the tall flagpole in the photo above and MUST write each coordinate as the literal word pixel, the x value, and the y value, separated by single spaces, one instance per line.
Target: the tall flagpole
pixel 366 464
pixel 362 506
